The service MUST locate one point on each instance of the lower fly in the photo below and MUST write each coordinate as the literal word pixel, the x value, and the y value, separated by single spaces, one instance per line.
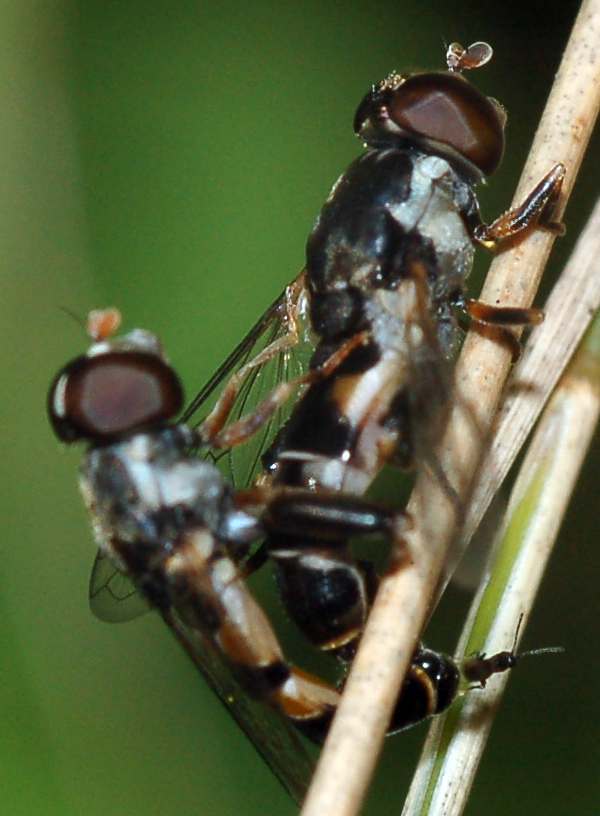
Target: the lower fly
pixel 168 521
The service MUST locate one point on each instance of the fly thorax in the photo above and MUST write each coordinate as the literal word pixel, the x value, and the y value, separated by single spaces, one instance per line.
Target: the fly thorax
pixel 428 174
pixel 141 489
pixel 433 211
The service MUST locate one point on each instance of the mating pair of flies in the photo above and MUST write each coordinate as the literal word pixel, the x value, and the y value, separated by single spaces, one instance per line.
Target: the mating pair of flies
pixel 379 302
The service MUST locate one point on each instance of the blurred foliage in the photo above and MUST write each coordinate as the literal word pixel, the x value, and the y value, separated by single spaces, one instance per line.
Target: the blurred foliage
pixel 169 158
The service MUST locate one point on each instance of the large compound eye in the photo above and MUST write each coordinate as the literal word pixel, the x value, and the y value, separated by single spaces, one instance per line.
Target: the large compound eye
pixel 104 396
pixel 445 109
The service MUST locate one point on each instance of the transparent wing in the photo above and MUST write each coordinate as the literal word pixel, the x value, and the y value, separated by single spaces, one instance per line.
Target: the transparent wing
pixel 429 371
pixel 284 330
pixel 432 395
pixel 272 735
pixel 113 598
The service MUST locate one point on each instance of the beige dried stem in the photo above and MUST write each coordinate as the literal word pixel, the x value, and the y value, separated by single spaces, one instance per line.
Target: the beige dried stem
pixel 404 599
pixel 538 503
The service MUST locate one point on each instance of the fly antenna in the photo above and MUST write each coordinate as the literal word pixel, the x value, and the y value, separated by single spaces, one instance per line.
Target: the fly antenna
pixel 103 323
pixel 543 650
pixel 459 58
pixel 77 318
pixel 517 630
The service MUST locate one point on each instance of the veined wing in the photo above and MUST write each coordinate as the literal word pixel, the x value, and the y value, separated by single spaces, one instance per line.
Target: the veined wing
pixel 113 598
pixel 272 735
pixel 281 340
pixel 431 347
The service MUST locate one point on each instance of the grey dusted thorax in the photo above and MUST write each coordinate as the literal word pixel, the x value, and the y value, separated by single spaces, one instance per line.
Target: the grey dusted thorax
pixel 392 211
pixel 433 210
pixel 146 490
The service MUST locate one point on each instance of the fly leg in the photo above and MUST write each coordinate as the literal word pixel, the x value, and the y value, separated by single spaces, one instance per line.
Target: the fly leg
pixel 283 312
pixel 221 411
pixel 213 432
pixel 493 321
pixel 537 210
pixel 331 516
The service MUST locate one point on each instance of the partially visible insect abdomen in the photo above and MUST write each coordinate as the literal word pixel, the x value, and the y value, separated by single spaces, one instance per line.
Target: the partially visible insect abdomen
pixel 430 686
pixel 325 591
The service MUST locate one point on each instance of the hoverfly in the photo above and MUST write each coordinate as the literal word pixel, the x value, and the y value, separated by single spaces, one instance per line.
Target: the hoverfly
pixel 171 525
pixel 384 281
pixel 387 260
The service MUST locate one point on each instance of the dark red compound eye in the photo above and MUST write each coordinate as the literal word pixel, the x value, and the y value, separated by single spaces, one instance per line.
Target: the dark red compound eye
pixel 446 108
pixel 105 396
pixel 438 111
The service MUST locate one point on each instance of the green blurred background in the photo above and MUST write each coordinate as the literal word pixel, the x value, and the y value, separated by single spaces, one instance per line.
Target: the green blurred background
pixel 169 158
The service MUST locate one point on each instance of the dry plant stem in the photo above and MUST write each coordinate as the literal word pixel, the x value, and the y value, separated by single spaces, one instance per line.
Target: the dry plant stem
pixel 571 417
pixel 572 303
pixel 404 599
pixel 538 503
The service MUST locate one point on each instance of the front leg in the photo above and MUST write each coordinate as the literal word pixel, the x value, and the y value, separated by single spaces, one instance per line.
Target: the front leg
pixel 537 210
